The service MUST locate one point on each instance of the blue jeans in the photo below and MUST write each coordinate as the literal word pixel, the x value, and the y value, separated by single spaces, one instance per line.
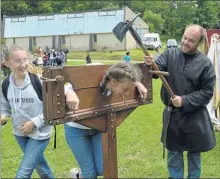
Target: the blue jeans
pixel 176 164
pixel 33 158
pixel 86 146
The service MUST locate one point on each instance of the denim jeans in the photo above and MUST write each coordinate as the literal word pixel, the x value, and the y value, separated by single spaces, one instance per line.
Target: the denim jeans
pixel 176 164
pixel 86 146
pixel 33 158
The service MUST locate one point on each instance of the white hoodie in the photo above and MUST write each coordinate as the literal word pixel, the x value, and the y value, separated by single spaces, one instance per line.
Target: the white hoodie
pixel 24 105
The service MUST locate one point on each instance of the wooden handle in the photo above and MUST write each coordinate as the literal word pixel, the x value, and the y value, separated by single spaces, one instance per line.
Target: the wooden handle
pixel 139 41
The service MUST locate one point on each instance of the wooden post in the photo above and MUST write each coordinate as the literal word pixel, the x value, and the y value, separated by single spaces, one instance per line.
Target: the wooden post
pixel 109 146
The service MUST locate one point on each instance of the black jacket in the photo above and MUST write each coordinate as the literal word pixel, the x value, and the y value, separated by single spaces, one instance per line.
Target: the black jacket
pixel 192 77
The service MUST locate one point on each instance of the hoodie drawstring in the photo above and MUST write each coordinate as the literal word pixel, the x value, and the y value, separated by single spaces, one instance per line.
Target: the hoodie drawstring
pixel 14 99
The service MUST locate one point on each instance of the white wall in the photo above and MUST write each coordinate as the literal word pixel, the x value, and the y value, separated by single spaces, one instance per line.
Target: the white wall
pixel 109 41
pixel 78 42
pixel 43 42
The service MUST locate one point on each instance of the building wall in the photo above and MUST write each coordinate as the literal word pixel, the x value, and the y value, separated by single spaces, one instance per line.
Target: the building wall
pixel 9 42
pixel 77 42
pixel 109 42
pixel 23 41
pixel 43 42
pixel 77 28
pixel 101 21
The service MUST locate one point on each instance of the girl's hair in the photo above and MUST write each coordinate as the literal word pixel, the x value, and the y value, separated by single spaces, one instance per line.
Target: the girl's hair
pixel 15 47
pixel 121 72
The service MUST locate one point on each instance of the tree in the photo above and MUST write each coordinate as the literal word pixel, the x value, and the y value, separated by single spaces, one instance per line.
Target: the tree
pixel 155 21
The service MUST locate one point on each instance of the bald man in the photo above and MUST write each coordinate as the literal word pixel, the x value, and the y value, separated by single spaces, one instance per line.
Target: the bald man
pixel 186 122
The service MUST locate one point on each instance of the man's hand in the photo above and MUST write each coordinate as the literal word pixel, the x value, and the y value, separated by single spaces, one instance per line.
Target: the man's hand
pixel 27 128
pixel 142 90
pixel 4 119
pixel 148 60
pixel 72 100
pixel 177 101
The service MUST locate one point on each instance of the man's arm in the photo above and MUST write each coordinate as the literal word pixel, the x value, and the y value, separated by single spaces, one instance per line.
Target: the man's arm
pixel 193 101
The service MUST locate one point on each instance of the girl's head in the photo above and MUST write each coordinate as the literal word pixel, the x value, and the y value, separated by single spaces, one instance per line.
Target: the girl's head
pixel 17 59
pixel 120 77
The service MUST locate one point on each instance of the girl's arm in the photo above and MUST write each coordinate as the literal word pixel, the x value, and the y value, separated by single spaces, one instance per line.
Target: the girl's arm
pixel 72 101
pixel 141 89
pixel 5 109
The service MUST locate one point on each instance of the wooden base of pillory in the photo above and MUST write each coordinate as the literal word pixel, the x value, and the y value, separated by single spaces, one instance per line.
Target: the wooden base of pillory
pixel 96 111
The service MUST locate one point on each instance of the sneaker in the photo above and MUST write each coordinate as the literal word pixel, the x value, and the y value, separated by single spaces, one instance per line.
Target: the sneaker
pixel 75 173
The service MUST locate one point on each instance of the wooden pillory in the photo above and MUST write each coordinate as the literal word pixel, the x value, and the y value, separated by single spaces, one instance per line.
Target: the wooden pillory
pixel 95 110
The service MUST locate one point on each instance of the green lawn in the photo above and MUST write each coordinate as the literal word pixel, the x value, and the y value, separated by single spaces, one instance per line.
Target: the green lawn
pixel 139 148
pixel 136 54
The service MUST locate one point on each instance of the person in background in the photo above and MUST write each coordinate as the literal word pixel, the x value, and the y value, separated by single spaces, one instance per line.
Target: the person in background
pixel 186 121
pixel 39 52
pixel 88 58
pixel 127 57
pixel 6 71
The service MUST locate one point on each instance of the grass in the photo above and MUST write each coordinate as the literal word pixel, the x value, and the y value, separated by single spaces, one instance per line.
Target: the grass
pixel 139 147
pixel 136 54
pixel 138 138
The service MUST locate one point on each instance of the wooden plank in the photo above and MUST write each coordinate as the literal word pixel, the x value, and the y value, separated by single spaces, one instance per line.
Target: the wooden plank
pixel 109 145
pixel 58 102
pixel 90 76
pixel 48 96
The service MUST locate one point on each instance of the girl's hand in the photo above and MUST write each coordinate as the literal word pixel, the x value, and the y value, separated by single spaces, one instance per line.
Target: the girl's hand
pixel 142 90
pixel 72 100
pixel 27 128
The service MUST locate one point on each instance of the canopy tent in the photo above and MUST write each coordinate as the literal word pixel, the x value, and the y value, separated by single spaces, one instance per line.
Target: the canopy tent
pixel 214 56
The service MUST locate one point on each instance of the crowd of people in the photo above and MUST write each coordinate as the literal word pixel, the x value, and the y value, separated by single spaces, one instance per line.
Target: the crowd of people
pixel 185 118
pixel 51 58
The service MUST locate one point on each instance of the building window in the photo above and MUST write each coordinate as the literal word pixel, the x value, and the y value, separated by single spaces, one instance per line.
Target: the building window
pixel 14 19
pixel 102 13
pixel 107 13
pixel 111 13
pixel 77 15
pixel 70 16
pixel 18 19
pixel 40 18
pixel 49 17
pixel 22 19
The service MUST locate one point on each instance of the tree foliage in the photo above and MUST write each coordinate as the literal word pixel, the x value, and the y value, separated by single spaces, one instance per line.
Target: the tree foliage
pixel 155 21
pixel 168 17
